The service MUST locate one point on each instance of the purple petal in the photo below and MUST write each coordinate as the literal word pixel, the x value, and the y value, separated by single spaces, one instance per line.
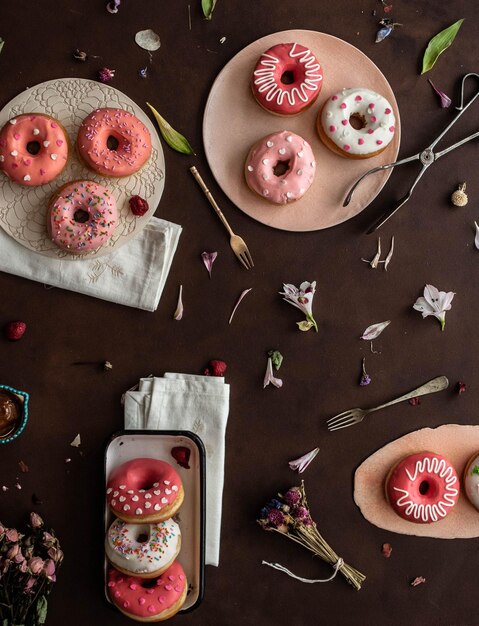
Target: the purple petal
pixel 302 463
pixel 112 7
pixel 208 259
pixel 445 99
pixel 383 32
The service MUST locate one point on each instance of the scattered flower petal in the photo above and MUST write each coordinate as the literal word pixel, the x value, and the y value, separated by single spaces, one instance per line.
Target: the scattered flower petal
pixel 23 467
pixel 390 254
pixel 76 442
pixel 181 454
pixel 208 7
pixel 387 27
pixel 386 550
pixel 418 581
pixel 107 366
pixel 439 44
pixel 269 378
pixel 68 460
pixel 365 378
pixel 461 387
pixel 143 72
pixel 215 368
pixel 79 55
pixel 18 486
pixel 2 43
pixel 172 137
pixel 208 259
pixel 445 100
pixel 112 7
pixel 414 401
pixel 223 39
pixel 276 358
pixel 302 299
pixel 106 74
pixel 476 239
pixel 377 256
pixel 302 463
pixel 148 40
pixel 179 307
pixel 434 303
pixel 243 294
pixel 4 488
pixel 373 332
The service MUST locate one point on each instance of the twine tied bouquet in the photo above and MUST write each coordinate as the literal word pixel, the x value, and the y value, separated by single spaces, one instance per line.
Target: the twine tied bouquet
pixel 28 565
pixel 289 515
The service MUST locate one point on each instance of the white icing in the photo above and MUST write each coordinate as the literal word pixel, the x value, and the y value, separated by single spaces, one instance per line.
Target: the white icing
pixel 35 131
pixel 125 551
pixel 267 83
pixel 27 177
pixel 335 121
pixel 436 510
pixel 471 482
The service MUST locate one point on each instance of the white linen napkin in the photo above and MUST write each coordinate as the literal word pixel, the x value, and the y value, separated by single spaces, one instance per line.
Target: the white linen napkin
pixel 133 275
pixel 196 403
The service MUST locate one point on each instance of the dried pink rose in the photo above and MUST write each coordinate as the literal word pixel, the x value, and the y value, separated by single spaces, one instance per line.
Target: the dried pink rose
pixel 35 565
pixel 35 520
pixel 49 568
pixel 12 534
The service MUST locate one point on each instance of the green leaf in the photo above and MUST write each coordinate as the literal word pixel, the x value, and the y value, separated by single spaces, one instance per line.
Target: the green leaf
pixel 42 605
pixel 276 358
pixel 438 44
pixel 170 135
pixel 208 7
pixel 2 43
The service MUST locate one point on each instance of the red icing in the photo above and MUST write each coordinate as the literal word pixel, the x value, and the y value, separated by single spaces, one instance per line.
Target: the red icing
pixel 18 163
pixel 134 142
pixel 141 601
pixel 422 488
pixel 142 487
pixel 268 84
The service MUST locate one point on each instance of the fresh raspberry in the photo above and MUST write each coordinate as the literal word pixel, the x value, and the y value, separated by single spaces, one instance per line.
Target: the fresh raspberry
pixel 461 387
pixel 138 206
pixel 215 368
pixel 181 454
pixel 15 330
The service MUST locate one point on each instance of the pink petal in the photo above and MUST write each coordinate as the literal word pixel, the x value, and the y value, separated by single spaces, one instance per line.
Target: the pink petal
pixel 179 307
pixel 302 463
pixel 243 294
pixel 208 260
pixel 445 100
pixel 269 378
pixel 373 332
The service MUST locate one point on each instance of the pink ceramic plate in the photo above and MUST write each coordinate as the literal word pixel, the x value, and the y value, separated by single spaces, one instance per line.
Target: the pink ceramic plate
pixel 233 122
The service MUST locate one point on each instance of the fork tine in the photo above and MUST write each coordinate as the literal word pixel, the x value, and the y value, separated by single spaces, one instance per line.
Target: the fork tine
pixel 345 425
pixel 240 258
pixel 333 419
pixel 249 257
pixel 343 420
pixel 246 261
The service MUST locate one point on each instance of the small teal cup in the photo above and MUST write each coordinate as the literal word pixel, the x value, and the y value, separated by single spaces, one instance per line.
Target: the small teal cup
pixel 21 399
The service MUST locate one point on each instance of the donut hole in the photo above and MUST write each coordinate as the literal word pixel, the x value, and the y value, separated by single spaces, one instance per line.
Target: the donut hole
pixel 287 77
pixel 357 121
pixel 148 583
pixel 33 147
pixel 143 537
pixel 424 487
pixel 81 216
pixel 281 168
pixel 112 143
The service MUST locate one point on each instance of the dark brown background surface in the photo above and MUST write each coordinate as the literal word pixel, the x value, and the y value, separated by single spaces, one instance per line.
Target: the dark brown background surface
pixel 266 428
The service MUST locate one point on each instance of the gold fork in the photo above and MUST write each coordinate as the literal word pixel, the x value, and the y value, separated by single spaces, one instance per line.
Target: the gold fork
pixel 237 244
pixel 354 416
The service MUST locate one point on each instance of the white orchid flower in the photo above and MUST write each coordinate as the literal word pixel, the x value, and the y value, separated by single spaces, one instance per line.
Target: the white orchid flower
pixel 435 303
pixel 302 299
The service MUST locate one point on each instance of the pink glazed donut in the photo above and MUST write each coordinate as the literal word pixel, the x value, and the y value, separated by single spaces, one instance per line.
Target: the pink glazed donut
pixel 33 149
pixel 287 79
pixel 81 217
pixel 113 142
pixel 144 491
pixel 149 600
pixel 423 488
pixel 280 167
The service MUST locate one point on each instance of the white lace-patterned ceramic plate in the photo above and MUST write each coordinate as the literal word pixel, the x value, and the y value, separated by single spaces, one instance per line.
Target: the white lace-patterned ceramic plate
pixel 234 121
pixel 23 209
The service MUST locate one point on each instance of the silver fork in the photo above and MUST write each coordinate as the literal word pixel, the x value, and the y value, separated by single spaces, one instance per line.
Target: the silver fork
pixel 237 244
pixel 355 416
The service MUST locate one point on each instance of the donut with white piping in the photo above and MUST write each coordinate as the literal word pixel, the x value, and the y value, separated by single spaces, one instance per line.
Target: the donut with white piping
pixel 144 490
pixel 143 550
pixel 423 488
pixel 287 79
pixel 356 123
pixel 280 167
pixel 152 600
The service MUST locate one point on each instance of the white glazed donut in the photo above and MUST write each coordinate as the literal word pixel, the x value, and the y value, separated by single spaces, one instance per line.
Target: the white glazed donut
pixel 144 550
pixel 471 480
pixel 356 123
pixel 280 167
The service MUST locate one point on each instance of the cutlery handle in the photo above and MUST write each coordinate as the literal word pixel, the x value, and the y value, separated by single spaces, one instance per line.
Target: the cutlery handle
pixel 436 384
pixel 209 195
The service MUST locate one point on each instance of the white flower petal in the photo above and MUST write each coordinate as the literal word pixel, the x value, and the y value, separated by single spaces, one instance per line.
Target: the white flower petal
pixel 269 378
pixel 302 463
pixel 431 294
pixel 423 306
pixel 476 240
pixel 178 314
pixel 373 332
pixel 148 40
pixel 445 300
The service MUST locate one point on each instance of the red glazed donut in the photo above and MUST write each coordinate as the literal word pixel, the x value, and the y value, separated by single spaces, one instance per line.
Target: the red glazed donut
pixel 33 149
pixel 144 491
pixel 287 79
pixel 423 488
pixel 149 600
pixel 113 142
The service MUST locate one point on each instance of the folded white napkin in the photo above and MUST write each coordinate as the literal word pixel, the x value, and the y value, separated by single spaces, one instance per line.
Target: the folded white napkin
pixel 196 403
pixel 133 275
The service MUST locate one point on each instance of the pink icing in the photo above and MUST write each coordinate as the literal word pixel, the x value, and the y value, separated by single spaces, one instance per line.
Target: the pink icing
pixel 268 84
pixel 76 201
pixel 21 134
pixel 283 147
pixel 142 488
pixel 134 142
pixel 130 593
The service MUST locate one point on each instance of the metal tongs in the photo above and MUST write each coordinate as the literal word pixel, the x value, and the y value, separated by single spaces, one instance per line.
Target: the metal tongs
pixel 426 157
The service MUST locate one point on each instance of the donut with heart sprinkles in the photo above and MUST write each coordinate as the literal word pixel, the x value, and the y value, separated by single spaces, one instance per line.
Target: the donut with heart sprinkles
pixel 144 490
pixel 149 600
